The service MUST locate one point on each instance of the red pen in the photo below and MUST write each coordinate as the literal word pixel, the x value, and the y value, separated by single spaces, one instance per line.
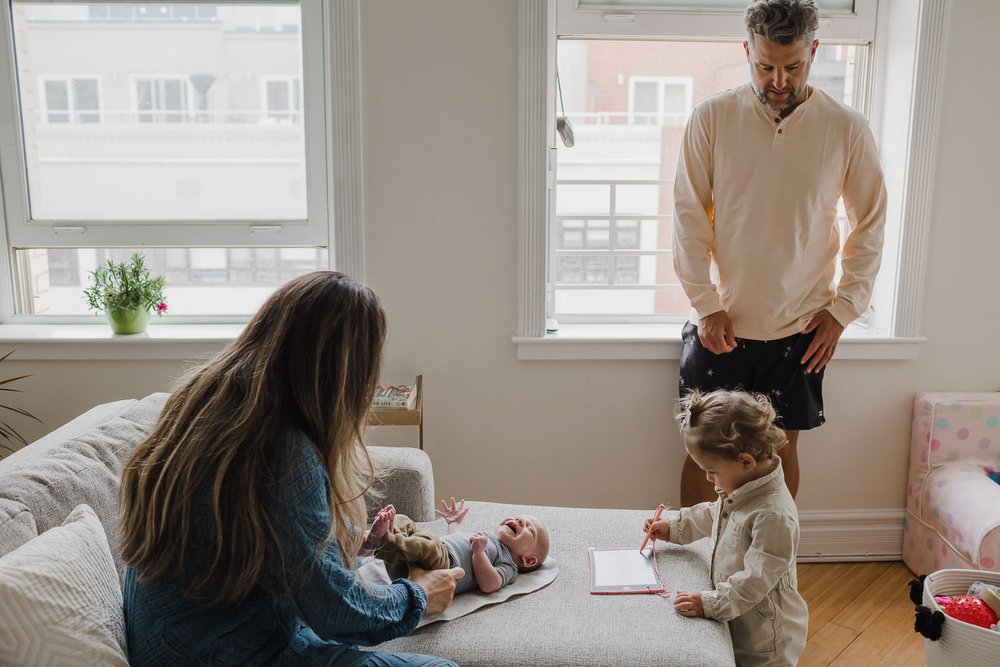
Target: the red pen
pixel 656 517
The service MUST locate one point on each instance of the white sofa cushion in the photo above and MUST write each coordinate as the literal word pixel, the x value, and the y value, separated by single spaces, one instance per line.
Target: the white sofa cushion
pixel 404 477
pixel 80 463
pixel 60 599
pixel 17 525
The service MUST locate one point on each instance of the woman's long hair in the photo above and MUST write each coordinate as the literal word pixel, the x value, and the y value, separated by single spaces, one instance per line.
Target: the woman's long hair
pixel 308 360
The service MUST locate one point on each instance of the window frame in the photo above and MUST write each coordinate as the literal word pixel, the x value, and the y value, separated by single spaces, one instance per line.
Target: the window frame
pixel 534 334
pixel 331 73
pixel 647 22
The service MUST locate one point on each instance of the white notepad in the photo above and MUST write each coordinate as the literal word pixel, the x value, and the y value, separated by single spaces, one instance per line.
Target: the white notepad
pixel 623 571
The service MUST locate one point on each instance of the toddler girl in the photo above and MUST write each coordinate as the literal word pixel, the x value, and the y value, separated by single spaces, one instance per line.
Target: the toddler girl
pixel 754 527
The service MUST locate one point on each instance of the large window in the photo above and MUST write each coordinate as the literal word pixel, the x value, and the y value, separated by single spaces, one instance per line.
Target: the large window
pixel 589 208
pixel 628 102
pixel 198 136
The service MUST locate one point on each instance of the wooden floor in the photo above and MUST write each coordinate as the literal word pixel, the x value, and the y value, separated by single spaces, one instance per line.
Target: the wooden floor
pixel 859 614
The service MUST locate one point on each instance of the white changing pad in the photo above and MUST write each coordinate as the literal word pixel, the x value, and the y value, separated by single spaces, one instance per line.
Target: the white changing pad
pixel 466 603
pixel 527 582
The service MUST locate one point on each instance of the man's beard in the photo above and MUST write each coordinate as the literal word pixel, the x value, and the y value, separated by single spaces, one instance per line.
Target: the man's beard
pixel 794 99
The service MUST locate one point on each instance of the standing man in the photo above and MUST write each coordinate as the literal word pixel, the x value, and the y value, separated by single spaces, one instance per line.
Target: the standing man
pixel 759 175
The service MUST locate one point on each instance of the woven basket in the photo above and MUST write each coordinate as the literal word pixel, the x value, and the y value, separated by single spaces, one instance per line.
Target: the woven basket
pixel 961 644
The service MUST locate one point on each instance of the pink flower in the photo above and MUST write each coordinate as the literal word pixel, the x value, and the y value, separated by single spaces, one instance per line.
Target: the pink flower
pixel 161 307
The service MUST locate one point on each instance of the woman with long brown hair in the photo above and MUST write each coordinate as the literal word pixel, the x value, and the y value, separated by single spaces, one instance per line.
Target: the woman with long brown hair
pixel 242 512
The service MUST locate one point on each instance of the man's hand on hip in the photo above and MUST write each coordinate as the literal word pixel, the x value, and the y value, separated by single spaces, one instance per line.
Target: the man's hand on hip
pixel 716 333
pixel 824 343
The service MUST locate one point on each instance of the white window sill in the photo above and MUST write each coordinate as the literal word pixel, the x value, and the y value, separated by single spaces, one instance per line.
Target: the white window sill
pixel 663 341
pixel 95 341
pixel 573 341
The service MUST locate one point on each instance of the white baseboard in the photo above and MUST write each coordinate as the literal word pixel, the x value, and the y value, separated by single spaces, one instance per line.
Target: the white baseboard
pixel 850 535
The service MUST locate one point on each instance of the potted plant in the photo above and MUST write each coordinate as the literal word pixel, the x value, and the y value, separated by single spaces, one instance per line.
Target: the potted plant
pixel 7 432
pixel 126 293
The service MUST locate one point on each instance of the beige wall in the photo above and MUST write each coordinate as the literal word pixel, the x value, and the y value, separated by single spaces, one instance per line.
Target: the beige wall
pixel 440 128
pixel 57 391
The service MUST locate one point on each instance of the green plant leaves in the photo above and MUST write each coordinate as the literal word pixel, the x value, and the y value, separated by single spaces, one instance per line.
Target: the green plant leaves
pixel 118 286
pixel 7 432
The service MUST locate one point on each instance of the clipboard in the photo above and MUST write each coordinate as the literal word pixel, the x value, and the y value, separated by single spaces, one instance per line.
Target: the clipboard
pixel 623 572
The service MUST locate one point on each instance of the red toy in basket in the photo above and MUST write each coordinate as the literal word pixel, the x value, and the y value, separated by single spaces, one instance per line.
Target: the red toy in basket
pixel 970 609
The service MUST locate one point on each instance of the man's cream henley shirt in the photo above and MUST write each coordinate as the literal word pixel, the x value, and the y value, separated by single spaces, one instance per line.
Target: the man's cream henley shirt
pixel 755 212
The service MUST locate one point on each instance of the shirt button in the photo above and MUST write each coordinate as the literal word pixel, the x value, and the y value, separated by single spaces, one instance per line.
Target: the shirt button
pixel 303 624
pixel 729 500
pixel 780 131
pixel 725 514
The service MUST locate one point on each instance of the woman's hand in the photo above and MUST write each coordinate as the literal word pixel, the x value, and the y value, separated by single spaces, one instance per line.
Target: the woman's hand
pixel 689 604
pixel 439 586
pixel 658 530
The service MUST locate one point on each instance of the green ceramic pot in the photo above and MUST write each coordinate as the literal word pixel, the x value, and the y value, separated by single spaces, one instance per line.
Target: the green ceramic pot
pixel 128 321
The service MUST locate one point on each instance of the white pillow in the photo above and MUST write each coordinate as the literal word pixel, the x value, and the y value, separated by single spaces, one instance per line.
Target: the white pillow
pixel 60 600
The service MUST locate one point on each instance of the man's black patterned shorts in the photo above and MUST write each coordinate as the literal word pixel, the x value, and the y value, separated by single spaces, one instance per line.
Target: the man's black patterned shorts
pixel 769 367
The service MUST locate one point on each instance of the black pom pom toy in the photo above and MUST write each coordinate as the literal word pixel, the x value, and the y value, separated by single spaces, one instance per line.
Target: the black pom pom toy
pixel 928 623
pixel 917 589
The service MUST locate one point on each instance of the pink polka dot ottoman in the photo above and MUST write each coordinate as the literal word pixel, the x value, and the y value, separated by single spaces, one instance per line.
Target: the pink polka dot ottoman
pixel 952 506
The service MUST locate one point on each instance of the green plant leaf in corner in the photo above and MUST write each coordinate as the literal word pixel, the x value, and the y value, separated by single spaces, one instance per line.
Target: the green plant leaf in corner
pixel 8 433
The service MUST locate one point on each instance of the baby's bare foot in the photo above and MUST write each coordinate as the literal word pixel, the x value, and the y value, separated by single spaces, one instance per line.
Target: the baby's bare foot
pixel 380 528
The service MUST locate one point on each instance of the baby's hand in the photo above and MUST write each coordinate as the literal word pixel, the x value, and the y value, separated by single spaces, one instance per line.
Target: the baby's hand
pixel 689 604
pixel 478 542
pixel 658 529
pixel 455 513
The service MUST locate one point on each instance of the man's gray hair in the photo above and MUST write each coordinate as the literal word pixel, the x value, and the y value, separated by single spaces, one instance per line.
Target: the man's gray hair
pixel 782 21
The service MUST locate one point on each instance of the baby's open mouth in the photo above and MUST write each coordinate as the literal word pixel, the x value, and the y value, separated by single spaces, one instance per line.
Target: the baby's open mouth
pixel 513 525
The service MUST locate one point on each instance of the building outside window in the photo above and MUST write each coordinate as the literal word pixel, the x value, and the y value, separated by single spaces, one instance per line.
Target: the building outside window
pixel 71 100
pixel 659 100
pixel 150 12
pixel 283 99
pixel 161 99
